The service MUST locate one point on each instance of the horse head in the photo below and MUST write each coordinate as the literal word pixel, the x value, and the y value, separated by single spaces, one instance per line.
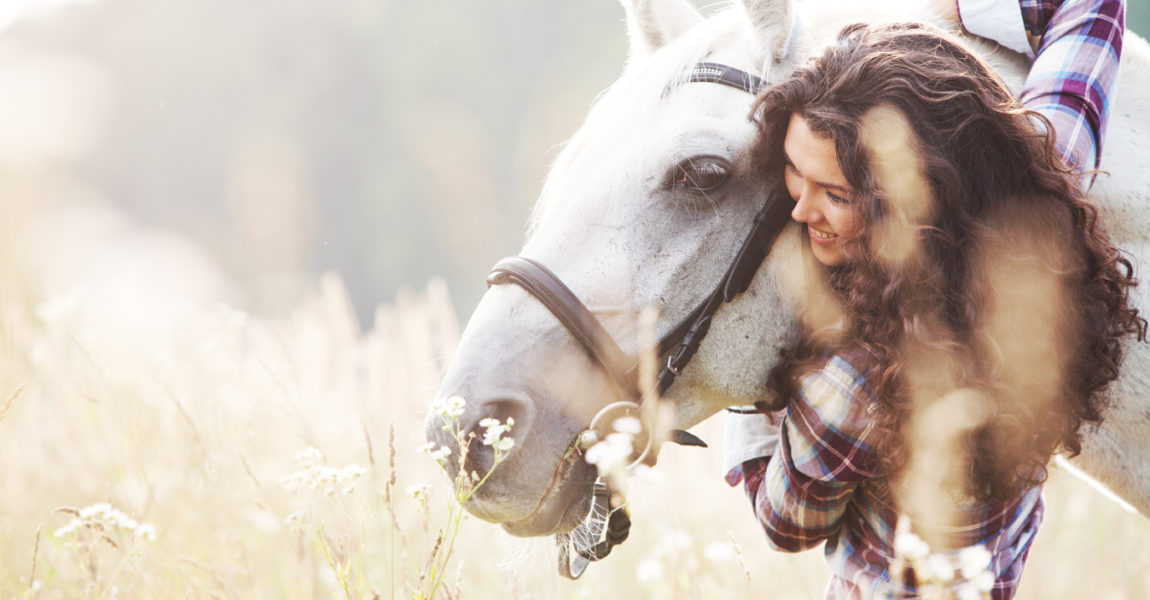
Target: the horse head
pixel 645 207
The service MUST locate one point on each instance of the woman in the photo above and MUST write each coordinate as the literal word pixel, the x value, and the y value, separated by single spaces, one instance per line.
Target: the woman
pixel 925 254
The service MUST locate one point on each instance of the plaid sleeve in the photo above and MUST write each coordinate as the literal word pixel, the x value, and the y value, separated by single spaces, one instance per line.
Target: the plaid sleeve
pixel 1074 70
pixel 801 494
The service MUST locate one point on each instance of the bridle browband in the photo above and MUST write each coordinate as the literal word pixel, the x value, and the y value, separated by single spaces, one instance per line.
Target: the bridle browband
pixel 708 72
pixel 675 349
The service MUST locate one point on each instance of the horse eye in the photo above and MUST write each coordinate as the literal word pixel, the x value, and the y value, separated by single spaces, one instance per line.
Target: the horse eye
pixel 699 174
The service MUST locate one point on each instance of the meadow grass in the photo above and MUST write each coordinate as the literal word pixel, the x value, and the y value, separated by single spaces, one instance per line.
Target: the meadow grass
pixel 231 456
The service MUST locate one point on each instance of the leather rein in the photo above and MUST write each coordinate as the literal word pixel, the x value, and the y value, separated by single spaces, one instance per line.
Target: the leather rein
pixel 675 349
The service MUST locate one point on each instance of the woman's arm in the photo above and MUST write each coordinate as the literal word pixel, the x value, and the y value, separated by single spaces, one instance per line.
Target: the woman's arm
pixel 1075 66
pixel 800 495
pixel 1076 46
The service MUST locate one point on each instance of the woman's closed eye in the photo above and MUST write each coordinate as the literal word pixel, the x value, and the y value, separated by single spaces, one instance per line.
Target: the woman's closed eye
pixel 838 199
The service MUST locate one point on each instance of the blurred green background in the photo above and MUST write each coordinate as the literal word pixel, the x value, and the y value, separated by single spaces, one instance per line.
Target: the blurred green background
pixel 387 141
pixel 1138 16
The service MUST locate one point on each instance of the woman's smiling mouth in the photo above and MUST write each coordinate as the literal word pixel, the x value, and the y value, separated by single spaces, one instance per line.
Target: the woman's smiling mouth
pixel 821 236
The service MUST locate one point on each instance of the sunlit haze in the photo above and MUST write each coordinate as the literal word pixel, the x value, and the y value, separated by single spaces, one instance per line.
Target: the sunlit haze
pixel 13 10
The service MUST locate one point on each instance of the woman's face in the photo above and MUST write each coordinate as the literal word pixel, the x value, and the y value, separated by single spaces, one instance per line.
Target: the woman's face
pixel 823 198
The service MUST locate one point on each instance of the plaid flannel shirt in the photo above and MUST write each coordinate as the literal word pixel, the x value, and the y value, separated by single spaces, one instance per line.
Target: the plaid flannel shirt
pixel 824 484
pixel 1079 44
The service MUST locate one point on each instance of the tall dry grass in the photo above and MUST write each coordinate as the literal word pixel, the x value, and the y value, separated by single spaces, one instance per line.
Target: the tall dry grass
pixel 194 431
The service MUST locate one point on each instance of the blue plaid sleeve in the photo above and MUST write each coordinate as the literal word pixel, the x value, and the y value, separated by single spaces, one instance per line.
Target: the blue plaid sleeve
pixel 1076 63
pixel 802 493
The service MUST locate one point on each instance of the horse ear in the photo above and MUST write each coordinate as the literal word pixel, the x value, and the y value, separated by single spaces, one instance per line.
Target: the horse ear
pixel 772 22
pixel 654 23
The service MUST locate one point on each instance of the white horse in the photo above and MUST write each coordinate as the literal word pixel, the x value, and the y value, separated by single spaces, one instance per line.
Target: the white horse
pixel 646 207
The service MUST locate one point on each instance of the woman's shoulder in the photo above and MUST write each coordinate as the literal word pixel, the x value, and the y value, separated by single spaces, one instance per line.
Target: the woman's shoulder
pixel 836 399
pixel 830 424
pixel 839 385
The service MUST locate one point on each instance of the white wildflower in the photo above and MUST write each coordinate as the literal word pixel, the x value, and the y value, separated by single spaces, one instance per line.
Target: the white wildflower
pixel 146 532
pixel 316 476
pixel 95 511
pixel 973 561
pixel 650 570
pixel 984 581
pixel 441 455
pixel 629 425
pixel 449 408
pixel 418 491
pixel 910 546
pixel 505 444
pixel 105 518
pixel 309 457
pixel 295 520
pixel 611 455
pixel 295 481
pixel 719 552
pixel 675 541
pixel 494 430
pixel 644 473
pixel 967 593
pixel 937 568
pixel 66 530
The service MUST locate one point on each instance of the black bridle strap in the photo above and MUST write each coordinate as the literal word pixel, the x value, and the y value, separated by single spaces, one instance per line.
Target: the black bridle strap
pixel 708 72
pixel 679 346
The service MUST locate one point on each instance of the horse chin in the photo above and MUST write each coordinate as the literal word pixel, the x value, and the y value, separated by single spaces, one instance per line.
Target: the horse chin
pixel 563 507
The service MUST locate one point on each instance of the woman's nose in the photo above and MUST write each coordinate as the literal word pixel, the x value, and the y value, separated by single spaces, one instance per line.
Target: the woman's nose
pixel 804 211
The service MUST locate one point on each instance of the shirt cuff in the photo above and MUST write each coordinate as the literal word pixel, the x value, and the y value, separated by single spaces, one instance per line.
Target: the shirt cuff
pixel 746 437
pixel 996 20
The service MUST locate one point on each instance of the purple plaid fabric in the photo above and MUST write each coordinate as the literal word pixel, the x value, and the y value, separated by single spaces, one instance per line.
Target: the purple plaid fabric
pixel 824 485
pixel 1080 43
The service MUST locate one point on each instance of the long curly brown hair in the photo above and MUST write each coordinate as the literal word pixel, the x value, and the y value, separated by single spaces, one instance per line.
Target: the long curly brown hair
pixel 992 177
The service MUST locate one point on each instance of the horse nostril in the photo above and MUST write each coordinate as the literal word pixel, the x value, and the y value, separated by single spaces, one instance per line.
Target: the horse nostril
pixel 491 430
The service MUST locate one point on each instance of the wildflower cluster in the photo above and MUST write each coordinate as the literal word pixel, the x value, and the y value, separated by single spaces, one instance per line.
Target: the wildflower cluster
pixel 493 432
pixel 105 518
pixel 464 484
pixel 448 408
pixel 314 475
pixel 612 455
pixel 439 455
pixel 963 574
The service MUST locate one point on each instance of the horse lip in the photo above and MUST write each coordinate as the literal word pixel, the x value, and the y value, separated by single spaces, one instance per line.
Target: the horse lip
pixel 563 506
